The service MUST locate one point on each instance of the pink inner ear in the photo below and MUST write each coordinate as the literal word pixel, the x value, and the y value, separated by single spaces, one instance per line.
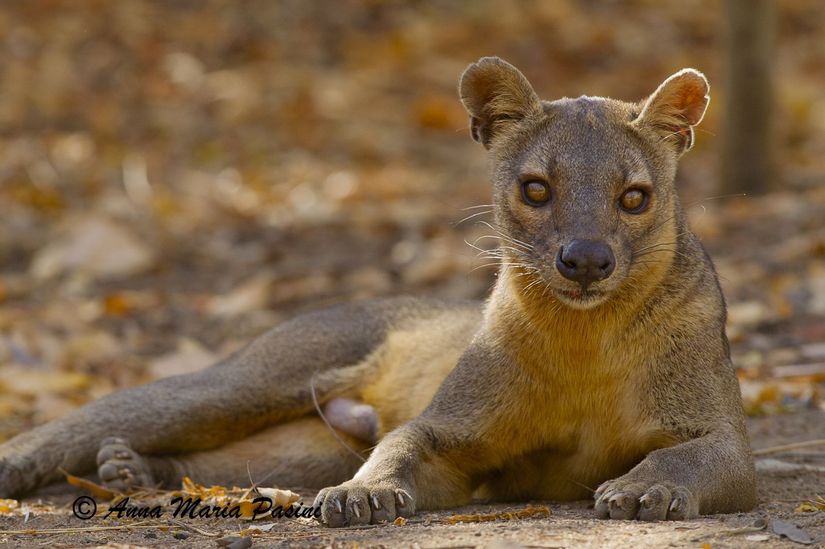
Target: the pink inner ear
pixel 692 102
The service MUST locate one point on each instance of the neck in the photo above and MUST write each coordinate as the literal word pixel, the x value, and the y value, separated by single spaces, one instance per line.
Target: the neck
pixel 527 301
pixel 537 328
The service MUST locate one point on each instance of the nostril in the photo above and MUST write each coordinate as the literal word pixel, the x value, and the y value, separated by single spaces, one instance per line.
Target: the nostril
pixel 564 258
pixel 566 267
pixel 607 267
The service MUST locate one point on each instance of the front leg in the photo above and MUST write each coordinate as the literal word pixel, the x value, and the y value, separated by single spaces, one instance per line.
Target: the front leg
pixel 432 461
pixel 410 469
pixel 710 474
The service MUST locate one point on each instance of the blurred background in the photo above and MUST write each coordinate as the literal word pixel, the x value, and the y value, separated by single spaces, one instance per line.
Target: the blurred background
pixel 178 176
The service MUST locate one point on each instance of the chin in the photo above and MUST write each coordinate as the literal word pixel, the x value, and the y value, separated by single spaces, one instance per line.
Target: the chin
pixel 581 300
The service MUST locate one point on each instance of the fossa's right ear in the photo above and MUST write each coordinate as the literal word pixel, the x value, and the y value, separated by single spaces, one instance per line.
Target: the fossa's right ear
pixel 496 95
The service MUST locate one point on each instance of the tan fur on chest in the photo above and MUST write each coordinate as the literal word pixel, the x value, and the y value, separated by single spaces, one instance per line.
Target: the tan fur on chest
pixel 585 394
pixel 581 409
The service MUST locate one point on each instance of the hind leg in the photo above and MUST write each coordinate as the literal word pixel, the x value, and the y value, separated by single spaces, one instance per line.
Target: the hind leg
pixel 300 453
pixel 266 383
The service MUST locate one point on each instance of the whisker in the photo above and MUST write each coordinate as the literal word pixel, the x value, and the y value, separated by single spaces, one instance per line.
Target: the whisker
pixel 514 250
pixel 501 238
pixel 485 212
pixel 509 238
pixel 663 243
pixel 497 263
pixel 533 283
pixel 656 249
pixel 676 252
pixel 717 197
pixel 473 245
pixel 579 484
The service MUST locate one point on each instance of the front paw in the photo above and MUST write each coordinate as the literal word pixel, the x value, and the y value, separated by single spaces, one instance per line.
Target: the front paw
pixel 357 502
pixel 651 501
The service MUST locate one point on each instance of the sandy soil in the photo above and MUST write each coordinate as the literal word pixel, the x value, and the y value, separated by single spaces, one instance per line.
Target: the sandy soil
pixel 570 525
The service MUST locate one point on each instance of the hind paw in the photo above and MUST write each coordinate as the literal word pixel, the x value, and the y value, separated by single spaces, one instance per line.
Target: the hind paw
pixel 120 468
pixel 12 480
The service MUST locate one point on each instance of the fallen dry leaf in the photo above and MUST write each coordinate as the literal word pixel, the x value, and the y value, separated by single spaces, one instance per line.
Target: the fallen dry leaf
pixel 191 488
pixel 527 512
pixel 812 506
pixel 8 505
pixel 97 247
pixel 278 496
pixel 791 531
pixel 117 304
pixel 27 381
pixel 259 529
pixel 249 296
pixel 89 486
pixel 747 314
pixel 190 356
pixel 221 496
pixel 770 395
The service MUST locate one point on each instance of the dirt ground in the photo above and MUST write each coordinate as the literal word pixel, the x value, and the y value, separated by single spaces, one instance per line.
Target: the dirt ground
pixel 781 490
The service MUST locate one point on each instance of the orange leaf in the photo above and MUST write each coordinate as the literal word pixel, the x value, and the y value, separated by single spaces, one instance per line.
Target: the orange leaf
pixel 89 486
pixel 8 505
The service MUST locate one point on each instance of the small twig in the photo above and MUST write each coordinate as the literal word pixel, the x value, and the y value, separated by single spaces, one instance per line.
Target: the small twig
pixel 252 484
pixel 77 530
pixel 87 529
pixel 196 529
pixel 788 447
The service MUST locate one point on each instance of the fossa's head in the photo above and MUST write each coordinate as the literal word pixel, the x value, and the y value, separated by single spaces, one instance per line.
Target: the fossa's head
pixel 583 189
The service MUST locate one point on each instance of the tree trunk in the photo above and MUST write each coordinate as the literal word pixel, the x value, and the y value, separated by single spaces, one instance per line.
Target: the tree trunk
pixel 748 161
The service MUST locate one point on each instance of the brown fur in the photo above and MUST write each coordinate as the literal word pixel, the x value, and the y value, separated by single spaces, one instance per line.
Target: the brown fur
pixel 551 390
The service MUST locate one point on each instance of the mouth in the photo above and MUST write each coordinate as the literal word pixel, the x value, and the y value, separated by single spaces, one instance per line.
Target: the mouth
pixel 580 299
pixel 573 296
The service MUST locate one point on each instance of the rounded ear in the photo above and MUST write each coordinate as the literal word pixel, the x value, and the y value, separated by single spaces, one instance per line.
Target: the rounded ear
pixel 675 107
pixel 496 95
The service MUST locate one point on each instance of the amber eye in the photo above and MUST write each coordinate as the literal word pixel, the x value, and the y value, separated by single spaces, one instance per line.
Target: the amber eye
pixel 634 201
pixel 535 193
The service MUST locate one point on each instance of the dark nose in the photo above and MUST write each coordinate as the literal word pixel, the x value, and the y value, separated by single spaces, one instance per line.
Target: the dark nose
pixel 585 261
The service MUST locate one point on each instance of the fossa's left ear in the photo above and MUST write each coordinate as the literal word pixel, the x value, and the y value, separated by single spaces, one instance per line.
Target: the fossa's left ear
pixel 675 107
